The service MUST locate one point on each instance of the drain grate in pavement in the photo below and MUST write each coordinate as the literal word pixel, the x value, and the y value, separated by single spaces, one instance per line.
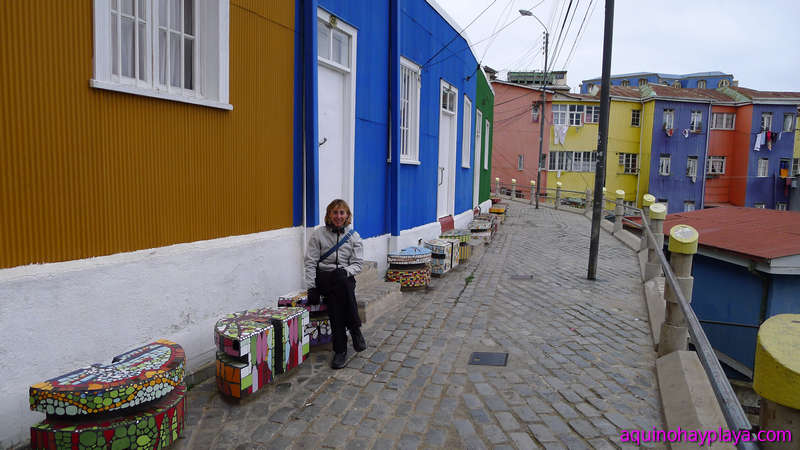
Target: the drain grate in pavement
pixel 488 359
pixel 522 277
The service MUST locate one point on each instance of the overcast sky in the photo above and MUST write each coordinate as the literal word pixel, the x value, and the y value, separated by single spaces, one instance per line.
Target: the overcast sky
pixel 758 41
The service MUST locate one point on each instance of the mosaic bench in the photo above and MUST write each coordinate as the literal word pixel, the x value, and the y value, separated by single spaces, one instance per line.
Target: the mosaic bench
pixel 133 378
pixel 155 426
pixel 411 267
pixel 499 209
pixel 444 255
pixel 318 330
pixel 464 237
pixel 120 405
pixel 255 345
pixel 300 299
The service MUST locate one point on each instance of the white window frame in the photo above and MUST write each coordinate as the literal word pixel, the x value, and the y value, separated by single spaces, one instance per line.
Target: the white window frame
pixel 642 82
pixel 211 56
pixel 520 162
pixel 478 132
pixel 701 84
pixel 688 205
pixel 723 121
pixel 696 122
pixel 629 163
pixel 715 165
pixel 575 115
pixel 664 165
pixel 410 88
pixel 466 135
pixel 486 146
pixel 592 114
pixel 796 167
pixel 780 206
pixel 760 205
pixel 535 112
pixel 560 161
pixel 766 121
pixel 723 83
pixel 668 119
pixel 691 167
pixel 676 83
pixel 625 83
pixel 788 119
pixel 636 117
pixel 585 161
pixel 762 170
pixel 560 114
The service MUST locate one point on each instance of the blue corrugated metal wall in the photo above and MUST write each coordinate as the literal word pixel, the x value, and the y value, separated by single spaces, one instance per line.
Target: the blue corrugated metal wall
pixel 676 187
pixel 371 19
pixel 772 188
pixel 423 33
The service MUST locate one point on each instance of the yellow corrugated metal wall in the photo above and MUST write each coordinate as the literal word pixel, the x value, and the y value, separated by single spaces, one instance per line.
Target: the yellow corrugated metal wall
pixel 87 172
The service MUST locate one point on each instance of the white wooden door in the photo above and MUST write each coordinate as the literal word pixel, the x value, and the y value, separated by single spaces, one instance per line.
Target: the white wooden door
pixel 332 137
pixel 448 109
pixel 336 69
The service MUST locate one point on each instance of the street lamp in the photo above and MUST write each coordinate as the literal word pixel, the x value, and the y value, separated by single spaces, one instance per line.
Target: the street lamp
pixel 525 12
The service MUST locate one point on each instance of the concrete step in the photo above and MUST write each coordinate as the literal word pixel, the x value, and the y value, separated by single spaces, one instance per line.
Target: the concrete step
pixel 369 272
pixel 375 297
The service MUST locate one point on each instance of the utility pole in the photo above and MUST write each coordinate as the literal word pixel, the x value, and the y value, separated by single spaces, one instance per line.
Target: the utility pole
pixel 602 141
pixel 541 119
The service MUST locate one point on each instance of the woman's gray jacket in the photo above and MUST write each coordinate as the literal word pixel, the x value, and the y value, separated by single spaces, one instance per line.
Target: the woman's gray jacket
pixel 351 254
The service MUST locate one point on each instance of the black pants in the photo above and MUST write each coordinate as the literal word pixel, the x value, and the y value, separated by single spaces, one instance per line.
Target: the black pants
pixel 340 298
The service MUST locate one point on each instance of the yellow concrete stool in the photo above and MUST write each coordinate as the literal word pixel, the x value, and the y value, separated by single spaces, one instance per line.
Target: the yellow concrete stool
pixel 776 377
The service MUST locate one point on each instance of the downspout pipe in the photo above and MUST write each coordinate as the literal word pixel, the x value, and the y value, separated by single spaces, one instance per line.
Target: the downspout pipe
pixel 394 117
pixel 310 116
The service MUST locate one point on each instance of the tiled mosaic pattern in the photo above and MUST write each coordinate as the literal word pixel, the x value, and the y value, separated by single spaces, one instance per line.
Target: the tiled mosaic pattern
pixel 416 276
pixel 133 378
pixel 155 427
pixel 456 252
pixel 442 255
pixel 318 330
pixel 409 255
pixel 460 234
pixel 300 298
pixel 291 342
pixel 465 251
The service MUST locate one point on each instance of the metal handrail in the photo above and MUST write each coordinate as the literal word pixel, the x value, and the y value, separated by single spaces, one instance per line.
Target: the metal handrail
pixel 735 416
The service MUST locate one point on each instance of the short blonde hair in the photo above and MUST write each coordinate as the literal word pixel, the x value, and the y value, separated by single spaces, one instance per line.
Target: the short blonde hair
pixel 338 203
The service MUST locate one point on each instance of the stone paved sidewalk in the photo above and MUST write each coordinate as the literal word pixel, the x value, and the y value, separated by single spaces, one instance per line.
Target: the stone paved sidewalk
pixel 581 365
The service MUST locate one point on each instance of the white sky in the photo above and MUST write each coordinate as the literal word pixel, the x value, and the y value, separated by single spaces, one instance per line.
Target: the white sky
pixel 758 41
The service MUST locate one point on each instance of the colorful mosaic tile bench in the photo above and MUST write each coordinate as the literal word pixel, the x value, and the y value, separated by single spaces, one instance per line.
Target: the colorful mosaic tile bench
pixel 155 426
pixel 300 298
pixel 318 328
pixel 463 236
pixel 444 255
pixel 255 345
pixel 411 267
pixel 120 405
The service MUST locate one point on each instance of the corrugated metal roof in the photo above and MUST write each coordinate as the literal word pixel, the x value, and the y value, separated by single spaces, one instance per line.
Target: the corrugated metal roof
pixel 758 233
pixel 754 94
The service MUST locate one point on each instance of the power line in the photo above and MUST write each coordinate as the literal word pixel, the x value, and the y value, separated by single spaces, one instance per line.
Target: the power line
pixel 505 12
pixel 566 32
pixel 459 33
pixel 592 5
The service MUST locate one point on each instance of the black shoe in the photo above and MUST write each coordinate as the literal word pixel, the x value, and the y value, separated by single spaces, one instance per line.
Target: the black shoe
pixel 339 360
pixel 359 344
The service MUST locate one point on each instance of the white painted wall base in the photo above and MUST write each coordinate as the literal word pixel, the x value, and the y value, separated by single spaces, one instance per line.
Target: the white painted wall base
pixel 463 219
pixel 62 316
pixel 485 206
pixel 375 249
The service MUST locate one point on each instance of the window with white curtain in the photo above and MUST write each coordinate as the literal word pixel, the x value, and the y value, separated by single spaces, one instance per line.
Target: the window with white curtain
pixel 409 111
pixel 154 48
pixel 466 136
pixel 763 167
pixel 715 165
pixel 664 164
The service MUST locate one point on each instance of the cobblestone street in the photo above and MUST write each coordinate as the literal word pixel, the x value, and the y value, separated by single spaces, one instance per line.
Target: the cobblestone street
pixel 580 366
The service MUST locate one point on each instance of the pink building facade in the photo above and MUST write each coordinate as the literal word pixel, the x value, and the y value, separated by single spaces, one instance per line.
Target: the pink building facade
pixel 516 135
